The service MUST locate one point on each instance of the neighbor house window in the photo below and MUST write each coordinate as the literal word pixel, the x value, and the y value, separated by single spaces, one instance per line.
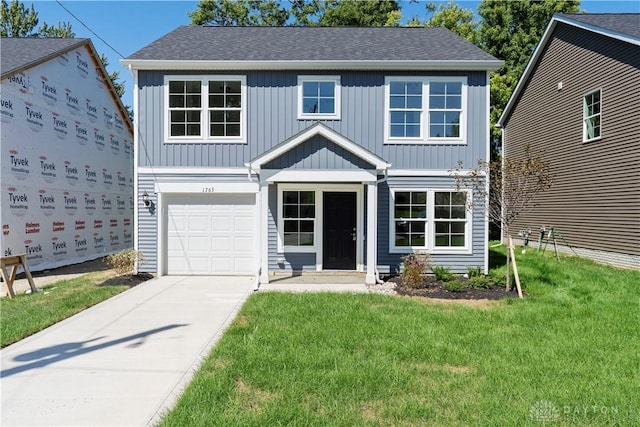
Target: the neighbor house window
pixel 207 109
pixel 425 109
pixel 433 220
pixel 299 217
pixel 591 115
pixel 319 97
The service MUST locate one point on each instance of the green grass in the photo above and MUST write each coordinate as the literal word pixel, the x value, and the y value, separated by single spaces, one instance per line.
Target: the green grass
pixel 572 344
pixel 25 315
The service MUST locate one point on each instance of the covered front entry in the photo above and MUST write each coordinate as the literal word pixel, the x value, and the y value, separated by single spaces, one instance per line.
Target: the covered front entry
pixel 339 230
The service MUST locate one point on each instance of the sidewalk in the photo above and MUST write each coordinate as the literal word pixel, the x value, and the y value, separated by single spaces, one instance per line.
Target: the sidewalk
pixel 122 362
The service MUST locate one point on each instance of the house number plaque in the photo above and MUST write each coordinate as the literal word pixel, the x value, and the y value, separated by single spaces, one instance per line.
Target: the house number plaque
pixel 208 189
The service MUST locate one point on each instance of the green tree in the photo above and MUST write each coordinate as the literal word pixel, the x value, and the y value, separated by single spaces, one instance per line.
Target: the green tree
pixel 459 20
pixel 239 13
pixel 510 30
pixel 62 30
pixel 361 13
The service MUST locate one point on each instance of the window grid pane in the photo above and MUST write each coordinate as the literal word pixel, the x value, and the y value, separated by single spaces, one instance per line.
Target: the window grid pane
pixel 298 212
pixel 318 97
pixel 445 109
pixel 185 101
pixel 225 108
pixel 450 218
pixel 405 109
pixel 410 210
pixel 592 115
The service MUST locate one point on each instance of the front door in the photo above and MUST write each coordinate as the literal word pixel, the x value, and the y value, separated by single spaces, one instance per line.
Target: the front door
pixel 339 231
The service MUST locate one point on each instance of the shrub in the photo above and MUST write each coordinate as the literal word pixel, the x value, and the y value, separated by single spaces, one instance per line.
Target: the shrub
pixel 474 271
pixel 480 282
pixel 124 262
pixel 442 273
pixel 414 265
pixel 455 285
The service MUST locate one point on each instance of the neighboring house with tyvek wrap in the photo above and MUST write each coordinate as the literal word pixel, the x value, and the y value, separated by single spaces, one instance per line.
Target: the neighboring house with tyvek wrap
pixel 268 150
pixel 66 154
pixel 578 102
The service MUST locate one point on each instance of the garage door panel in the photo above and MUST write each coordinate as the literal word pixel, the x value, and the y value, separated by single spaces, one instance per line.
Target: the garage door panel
pixel 212 234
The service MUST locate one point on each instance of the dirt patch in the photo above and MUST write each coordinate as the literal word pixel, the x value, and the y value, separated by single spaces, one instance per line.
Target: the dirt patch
pixel 129 280
pixel 435 290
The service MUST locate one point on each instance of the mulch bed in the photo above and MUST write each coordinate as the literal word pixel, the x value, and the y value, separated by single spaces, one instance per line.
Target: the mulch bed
pixel 433 288
pixel 128 280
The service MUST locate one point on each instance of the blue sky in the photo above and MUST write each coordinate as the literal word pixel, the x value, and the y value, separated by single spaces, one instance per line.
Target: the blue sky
pixel 128 26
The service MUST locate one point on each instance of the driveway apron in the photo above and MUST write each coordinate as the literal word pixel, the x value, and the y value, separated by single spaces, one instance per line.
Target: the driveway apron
pixel 123 362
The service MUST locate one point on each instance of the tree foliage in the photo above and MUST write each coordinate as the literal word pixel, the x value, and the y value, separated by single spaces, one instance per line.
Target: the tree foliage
pixel 510 30
pixel 457 19
pixel 361 13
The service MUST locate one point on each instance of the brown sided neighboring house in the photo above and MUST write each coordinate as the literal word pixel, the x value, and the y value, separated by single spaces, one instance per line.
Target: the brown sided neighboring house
pixel 578 102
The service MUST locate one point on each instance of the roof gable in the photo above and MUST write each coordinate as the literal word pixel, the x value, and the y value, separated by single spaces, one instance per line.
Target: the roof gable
pixel 277 46
pixel 603 24
pixel 19 53
pixel 22 53
pixel 329 134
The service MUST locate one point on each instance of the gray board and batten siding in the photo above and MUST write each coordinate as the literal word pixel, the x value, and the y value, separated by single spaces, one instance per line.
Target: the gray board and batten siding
pixel 594 201
pixel 272 98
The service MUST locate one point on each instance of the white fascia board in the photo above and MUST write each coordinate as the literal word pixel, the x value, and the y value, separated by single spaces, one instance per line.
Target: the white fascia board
pixel 541 45
pixel 155 170
pixel 429 172
pixel 207 188
pixel 147 64
pixel 324 175
pixel 331 135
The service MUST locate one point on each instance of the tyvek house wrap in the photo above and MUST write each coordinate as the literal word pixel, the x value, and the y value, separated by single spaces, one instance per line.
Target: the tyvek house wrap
pixel 67 164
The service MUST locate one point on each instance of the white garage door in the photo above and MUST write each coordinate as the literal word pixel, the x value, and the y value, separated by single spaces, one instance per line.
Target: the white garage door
pixel 211 234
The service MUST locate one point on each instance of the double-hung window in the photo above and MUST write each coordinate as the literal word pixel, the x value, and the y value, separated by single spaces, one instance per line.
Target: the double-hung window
pixel 591 116
pixel 438 221
pixel 298 212
pixel 319 97
pixel 425 110
pixel 205 109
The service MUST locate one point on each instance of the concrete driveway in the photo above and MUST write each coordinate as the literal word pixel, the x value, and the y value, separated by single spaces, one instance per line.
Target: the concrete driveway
pixel 122 362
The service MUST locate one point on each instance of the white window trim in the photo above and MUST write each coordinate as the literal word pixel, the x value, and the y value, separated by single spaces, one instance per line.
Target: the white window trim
pixel 204 137
pixel 322 78
pixel 424 124
pixel 430 246
pixel 282 248
pixel 584 118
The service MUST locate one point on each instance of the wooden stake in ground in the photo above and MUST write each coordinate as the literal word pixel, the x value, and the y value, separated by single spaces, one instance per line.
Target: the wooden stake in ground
pixel 515 267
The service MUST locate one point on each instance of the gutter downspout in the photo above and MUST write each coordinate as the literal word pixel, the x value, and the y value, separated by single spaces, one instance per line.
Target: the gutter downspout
pixel 385 175
pixel 258 271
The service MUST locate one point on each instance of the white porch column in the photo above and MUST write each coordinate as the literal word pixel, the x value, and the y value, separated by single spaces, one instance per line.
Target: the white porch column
pixel 264 232
pixel 372 225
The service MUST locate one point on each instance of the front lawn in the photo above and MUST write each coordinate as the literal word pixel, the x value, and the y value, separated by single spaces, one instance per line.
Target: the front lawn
pixel 25 315
pixel 567 354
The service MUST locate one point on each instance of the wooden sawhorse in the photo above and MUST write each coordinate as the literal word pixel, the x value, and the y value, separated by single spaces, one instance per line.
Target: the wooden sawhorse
pixel 14 261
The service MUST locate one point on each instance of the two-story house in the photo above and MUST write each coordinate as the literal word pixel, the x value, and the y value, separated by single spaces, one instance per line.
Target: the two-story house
pixel 578 104
pixel 265 150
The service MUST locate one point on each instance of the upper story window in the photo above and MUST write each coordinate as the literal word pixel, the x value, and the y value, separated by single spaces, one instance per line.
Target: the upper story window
pixel 433 220
pixel 205 109
pixel 319 97
pixel 425 110
pixel 591 116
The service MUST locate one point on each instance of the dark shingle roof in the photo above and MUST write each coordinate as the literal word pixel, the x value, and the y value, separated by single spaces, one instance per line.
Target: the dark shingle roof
pixel 623 23
pixel 20 53
pixel 206 43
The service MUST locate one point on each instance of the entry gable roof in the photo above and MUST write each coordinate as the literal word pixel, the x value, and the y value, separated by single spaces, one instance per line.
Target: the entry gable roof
pixel 318 129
